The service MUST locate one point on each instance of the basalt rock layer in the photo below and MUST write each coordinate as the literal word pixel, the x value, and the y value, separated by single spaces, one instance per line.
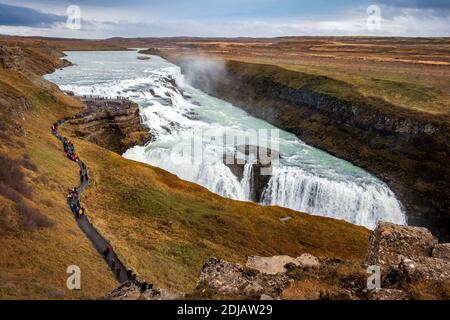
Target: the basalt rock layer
pixel 406 149
pixel 261 167
pixel 114 124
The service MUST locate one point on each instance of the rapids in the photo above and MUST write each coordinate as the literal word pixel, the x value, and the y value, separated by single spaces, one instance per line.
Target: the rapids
pixel 187 122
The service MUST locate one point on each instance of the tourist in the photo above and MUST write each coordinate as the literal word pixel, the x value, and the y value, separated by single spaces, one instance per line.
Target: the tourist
pixel 106 251
pixel 81 212
pixel 73 207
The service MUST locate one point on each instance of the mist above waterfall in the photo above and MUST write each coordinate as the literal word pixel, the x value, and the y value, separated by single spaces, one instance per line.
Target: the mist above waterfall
pixel 306 179
pixel 204 70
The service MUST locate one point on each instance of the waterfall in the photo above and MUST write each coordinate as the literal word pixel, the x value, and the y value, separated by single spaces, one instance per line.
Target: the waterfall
pixel 247 179
pixel 360 204
pixel 307 179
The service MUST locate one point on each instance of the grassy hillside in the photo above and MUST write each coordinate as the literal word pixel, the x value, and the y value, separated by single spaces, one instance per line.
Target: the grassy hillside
pixel 163 227
pixel 166 228
pixel 39 238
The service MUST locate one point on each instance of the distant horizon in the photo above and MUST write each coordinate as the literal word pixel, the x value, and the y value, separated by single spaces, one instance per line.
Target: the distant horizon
pixel 225 38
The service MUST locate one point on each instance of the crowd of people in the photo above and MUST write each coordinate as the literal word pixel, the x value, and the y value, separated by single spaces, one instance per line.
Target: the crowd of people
pixel 74 202
pixel 73 199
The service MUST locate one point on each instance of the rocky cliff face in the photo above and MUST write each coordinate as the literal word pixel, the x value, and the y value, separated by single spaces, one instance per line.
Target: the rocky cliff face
pixel 261 167
pixel 9 58
pixel 410 151
pixel 31 60
pixel 411 259
pixel 114 124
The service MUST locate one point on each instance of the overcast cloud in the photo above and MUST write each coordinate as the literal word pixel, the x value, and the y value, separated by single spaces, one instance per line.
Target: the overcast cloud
pixel 224 18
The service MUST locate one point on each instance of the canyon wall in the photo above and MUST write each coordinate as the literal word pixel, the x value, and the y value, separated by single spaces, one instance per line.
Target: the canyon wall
pixel 406 149
pixel 114 124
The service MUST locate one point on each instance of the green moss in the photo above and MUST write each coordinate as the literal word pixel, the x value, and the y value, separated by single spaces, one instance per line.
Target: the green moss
pixel 384 95
pixel 409 91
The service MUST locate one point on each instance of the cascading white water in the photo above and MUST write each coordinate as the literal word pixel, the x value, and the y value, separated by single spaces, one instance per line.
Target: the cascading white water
pixel 361 204
pixel 247 180
pixel 307 179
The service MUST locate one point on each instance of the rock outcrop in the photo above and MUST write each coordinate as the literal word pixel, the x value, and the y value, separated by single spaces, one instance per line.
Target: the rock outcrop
pixel 277 264
pixel 114 124
pixel 31 60
pixel 442 251
pixel 413 266
pixel 408 256
pixel 222 279
pixel 390 244
pixel 261 160
pixel 10 58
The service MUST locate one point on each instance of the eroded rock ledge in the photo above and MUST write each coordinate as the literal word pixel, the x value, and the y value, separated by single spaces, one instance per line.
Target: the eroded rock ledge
pixel 114 124
pixel 261 160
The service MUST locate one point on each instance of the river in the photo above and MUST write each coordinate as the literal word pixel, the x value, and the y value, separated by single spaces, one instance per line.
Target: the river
pixel 305 179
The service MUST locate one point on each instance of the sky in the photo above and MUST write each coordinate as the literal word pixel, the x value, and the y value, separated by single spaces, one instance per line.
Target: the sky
pixel 224 18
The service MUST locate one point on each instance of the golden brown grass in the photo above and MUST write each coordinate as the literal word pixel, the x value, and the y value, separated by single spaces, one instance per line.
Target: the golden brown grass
pixel 34 262
pixel 162 227
pixel 335 280
pixel 411 74
pixel 430 290
pixel 308 289
pixel 166 228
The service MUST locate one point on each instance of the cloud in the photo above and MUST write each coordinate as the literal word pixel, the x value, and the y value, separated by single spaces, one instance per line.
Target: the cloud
pixel 21 16
pixel 397 21
pixel 418 4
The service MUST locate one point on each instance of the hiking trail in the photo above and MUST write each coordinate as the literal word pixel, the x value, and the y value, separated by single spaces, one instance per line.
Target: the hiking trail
pixel 100 243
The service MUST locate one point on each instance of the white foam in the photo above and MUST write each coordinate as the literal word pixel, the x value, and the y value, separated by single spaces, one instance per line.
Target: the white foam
pixel 308 180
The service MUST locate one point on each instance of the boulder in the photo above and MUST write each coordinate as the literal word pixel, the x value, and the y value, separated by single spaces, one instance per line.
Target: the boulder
pixel 442 251
pixel 307 260
pixel 277 264
pixel 223 276
pixel 270 265
pixel 227 279
pixel 391 243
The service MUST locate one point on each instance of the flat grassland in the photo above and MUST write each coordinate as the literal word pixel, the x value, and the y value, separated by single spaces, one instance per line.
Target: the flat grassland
pixel 411 73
